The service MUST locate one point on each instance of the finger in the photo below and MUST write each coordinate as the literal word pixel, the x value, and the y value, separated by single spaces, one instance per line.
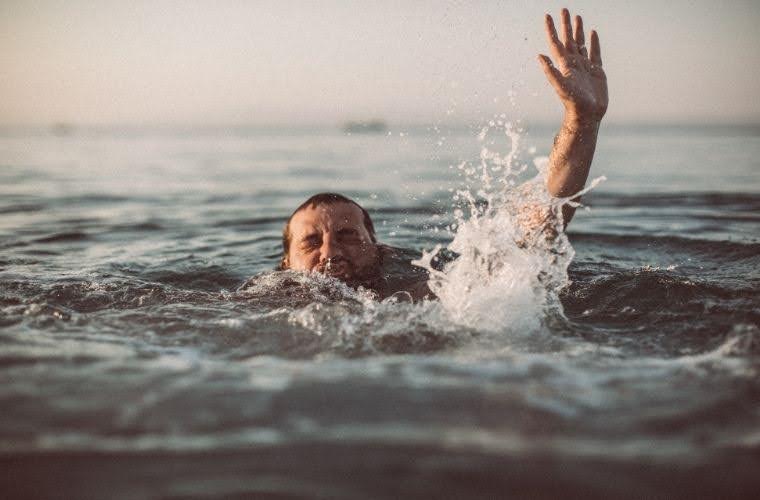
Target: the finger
pixel 580 40
pixel 552 73
pixel 596 51
pixel 567 32
pixel 558 50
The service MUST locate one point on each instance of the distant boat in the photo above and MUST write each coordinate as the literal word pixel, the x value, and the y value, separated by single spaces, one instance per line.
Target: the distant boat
pixel 370 127
pixel 62 129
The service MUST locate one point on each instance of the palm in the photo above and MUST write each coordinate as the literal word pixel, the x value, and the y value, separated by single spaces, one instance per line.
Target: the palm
pixel 578 76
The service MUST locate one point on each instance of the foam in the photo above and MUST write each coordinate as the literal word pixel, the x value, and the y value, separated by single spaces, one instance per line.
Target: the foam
pixel 513 253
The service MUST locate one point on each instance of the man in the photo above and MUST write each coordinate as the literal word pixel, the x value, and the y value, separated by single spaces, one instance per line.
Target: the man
pixel 334 235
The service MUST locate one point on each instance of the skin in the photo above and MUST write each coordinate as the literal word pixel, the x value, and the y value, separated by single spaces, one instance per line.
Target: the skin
pixel 332 240
pixel 578 78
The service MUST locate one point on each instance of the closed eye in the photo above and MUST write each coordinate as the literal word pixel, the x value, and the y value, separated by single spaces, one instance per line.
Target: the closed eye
pixel 310 241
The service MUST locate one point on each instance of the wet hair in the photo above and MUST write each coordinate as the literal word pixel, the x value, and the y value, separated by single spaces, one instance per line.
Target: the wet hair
pixel 323 199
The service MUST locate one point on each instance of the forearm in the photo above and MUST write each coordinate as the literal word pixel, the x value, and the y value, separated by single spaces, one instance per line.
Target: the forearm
pixel 570 159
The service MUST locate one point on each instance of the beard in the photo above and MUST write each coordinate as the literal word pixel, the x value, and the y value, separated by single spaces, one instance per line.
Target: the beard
pixel 338 267
pixel 348 272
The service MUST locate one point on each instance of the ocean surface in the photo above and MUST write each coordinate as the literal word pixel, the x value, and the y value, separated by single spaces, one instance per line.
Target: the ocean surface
pixel 621 359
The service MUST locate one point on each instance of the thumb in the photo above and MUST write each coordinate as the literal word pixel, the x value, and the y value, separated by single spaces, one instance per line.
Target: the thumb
pixel 551 72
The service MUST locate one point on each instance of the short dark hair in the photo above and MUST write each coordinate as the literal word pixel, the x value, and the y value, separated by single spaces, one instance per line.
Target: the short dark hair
pixel 323 199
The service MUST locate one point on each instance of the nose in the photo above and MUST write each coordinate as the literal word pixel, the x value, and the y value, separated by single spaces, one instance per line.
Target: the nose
pixel 330 248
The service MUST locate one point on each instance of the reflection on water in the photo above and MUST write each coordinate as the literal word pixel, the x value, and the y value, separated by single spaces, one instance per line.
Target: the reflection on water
pixel 133 337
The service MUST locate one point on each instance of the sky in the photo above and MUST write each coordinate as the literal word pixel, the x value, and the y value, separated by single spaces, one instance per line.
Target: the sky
pixel 302 63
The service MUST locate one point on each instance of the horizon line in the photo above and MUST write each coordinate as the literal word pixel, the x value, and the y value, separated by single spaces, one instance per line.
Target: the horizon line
pixel 541 123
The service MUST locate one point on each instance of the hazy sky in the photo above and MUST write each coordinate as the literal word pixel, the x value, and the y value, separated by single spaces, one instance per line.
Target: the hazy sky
pixel 286 62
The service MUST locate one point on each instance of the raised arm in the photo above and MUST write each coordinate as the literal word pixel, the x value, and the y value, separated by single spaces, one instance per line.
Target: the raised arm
pixel 579 80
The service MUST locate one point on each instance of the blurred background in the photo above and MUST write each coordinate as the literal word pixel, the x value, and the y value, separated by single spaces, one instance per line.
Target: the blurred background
pixel 324 63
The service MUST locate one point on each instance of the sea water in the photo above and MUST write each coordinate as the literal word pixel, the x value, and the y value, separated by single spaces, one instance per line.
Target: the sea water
pixel 149 349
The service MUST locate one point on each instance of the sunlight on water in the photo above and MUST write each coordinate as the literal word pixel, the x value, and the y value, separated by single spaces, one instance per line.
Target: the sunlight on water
pixel 126 332
pixel 127 337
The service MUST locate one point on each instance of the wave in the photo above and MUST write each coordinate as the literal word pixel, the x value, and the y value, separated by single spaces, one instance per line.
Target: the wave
pixel 64 237
pixel 148 225
pixel 735 200
pixel 647 289
pixel 716 249
pixel 251 222
pixel 658 312
pixel 22 208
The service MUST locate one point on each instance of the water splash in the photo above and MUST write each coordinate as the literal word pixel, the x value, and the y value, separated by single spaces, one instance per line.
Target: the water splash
pixel 344 320
pixel 513 252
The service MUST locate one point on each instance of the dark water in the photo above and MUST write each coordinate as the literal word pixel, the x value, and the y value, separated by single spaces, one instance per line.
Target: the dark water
pixel 132 364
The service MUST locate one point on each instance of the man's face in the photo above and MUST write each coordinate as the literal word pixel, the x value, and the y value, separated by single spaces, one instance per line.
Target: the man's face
pixel 331 239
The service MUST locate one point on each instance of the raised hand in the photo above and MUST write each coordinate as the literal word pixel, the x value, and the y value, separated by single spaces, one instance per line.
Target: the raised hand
pixel 577 76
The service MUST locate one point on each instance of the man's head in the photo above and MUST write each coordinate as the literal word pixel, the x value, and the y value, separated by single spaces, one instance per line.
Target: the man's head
pixel 330 234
